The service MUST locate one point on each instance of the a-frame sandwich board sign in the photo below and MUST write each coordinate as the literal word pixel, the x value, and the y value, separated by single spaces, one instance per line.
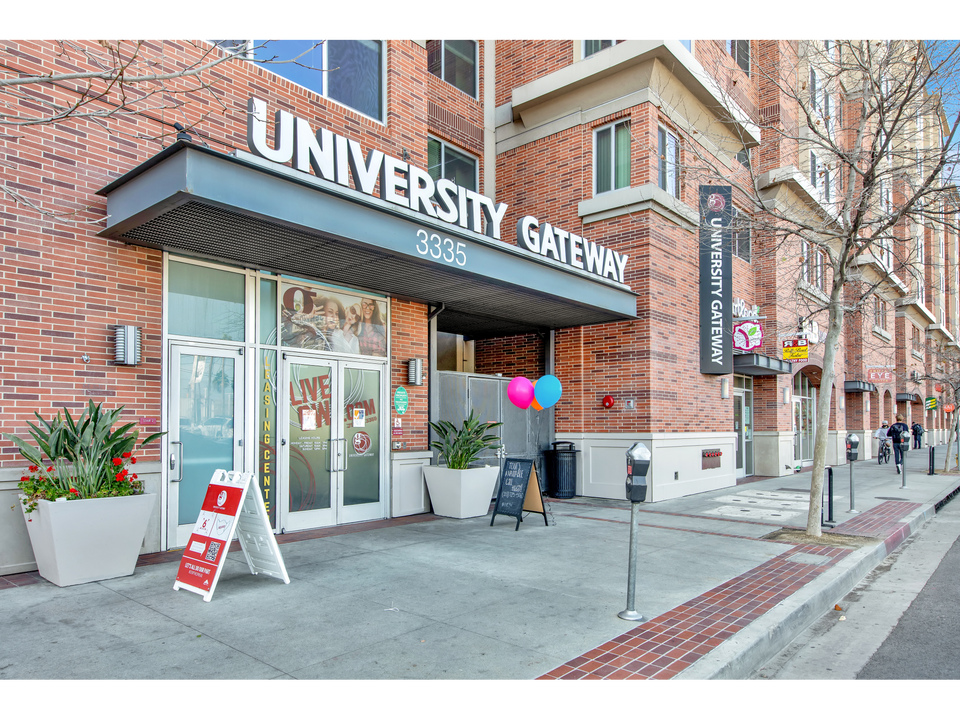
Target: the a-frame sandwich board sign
pixel 232 506
pixel 519 491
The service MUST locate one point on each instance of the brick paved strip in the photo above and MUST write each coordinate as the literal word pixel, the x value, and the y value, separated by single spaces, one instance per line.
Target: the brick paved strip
pixel 660 648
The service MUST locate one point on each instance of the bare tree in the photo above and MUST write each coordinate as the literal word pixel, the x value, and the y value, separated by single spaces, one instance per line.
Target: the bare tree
pixel 108 81
pixel 866 121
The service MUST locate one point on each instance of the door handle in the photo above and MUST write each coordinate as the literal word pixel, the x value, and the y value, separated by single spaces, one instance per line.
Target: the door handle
pixel 345 456
pixel 176 461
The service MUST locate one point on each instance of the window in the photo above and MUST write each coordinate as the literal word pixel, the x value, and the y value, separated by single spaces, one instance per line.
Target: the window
pixel 611 154
pixel 921 289
pixel 917 340
pixel 454 61
pixel 880 313
pixel 743 157
pixel 669 153
pixel 595 45
pixel 920 251
pixel 688 44
pixel 816 92
pixel 741 235
pixel 354 69
pixel 883 193
pixel 445 161
pixel 883 252
pixel 739 50
pixel 819 176
pixel 812 265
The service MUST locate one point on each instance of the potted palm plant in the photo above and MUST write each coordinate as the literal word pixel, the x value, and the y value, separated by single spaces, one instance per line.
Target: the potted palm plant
pixel 85 508
pixel 456 489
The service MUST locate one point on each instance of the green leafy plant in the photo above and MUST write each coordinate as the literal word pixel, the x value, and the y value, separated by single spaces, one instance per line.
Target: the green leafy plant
pixel 80 459
pixel 461 446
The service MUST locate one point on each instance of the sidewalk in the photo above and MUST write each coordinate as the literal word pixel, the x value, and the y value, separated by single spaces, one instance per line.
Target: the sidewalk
pixel 432 598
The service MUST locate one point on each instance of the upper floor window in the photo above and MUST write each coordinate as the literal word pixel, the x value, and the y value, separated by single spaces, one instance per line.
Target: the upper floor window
pixel 669 153
pixel 740 51
pixel 813 263
pixel 348 71
pixel 879 313
pixel 741 235
pixel 611 157
pixel 455 61
pixel 445 161
pixel 819 176
pixel 594 46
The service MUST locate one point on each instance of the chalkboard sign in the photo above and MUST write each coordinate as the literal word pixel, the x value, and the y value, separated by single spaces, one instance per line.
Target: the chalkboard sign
pixel 519 491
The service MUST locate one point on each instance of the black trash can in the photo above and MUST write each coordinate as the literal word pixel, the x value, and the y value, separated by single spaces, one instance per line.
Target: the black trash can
pixel 561 465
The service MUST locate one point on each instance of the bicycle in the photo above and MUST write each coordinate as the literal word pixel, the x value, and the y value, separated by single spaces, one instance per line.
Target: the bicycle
pixel 883 455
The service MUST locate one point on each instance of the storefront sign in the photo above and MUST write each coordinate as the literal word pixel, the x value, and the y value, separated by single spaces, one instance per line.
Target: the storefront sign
pixel 949 408
pixel 796 351
pixel 716 276
pixel 879 375
pixel 747 335
pixel 400 400
pixel 930 403
pixel 339 159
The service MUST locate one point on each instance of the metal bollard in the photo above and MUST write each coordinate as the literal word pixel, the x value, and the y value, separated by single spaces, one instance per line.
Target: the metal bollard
pixel 932 462
pixel 830 521
pixel 852 501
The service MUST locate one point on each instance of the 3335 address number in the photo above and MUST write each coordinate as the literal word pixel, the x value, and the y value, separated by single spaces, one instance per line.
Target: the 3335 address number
pixel 441 248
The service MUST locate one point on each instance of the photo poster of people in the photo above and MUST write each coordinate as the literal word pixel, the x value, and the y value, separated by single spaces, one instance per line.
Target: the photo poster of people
pixel 314 318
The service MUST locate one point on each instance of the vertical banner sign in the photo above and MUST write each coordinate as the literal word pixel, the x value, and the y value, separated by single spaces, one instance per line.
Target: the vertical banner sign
pixel 716 280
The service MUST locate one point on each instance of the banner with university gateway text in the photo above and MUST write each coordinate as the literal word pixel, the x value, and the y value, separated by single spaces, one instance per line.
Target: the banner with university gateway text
pixel 716 280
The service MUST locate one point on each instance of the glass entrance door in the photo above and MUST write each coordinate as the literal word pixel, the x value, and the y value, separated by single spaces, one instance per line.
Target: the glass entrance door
pixel 331 444
pixel 738 426
pixel 205 429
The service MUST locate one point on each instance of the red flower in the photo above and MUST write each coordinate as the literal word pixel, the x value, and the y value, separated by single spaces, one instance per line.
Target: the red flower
pixel 117 461
pixel 33 468
pixel 119 477
pixel 126 454
pixel 133 477
pixel 74 491
pixel 133 460
pixel 50 469
pixel 24 478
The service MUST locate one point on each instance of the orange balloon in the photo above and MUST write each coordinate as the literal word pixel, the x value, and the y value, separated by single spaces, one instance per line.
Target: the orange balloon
pixel 535 405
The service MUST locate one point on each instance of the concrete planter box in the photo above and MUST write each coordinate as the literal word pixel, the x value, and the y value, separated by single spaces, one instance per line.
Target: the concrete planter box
pixel 461 493
pixel 80 541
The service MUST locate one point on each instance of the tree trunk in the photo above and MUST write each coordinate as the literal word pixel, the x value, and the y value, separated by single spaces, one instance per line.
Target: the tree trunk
pixel 825 400
pixel 950 435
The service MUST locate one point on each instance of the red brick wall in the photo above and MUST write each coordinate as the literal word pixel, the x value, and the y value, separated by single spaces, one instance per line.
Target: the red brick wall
pixel 513 356
pixel 62 287
pixel 409 338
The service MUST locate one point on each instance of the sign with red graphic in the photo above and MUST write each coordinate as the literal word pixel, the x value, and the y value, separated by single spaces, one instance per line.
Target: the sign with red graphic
pixel 879 375
pixel 230 496
pixel 796 351
pixel 361 442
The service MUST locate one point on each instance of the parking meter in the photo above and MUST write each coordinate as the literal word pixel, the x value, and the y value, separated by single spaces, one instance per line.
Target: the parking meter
pixel 638 462
pixel 853 444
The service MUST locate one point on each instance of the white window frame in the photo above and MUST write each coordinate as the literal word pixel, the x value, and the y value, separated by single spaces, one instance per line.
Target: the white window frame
pixel 443 151
pixel 731 51
pixel 583 48
pixel 476 68
pixel 612 127
pixel 673 191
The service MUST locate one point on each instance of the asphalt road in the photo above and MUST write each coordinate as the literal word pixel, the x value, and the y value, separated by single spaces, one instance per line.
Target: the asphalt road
pixel 900 622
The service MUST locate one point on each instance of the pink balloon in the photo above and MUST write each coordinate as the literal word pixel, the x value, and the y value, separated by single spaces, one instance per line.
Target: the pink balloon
pixel 520 392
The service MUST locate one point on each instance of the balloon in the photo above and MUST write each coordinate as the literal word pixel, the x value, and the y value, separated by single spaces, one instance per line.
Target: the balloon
pixel 548 391
pixel 520 392
pixel 535 405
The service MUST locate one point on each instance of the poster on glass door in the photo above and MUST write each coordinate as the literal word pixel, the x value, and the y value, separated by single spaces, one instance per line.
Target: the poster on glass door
pixel 315 319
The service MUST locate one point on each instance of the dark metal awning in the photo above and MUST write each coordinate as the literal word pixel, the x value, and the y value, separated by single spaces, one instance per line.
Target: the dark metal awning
pixel 756 364
pixel 249 212
pixel 855 386
pixel 908 397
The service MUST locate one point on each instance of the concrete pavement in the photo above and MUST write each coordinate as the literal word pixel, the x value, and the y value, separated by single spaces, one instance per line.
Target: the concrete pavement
pixel 434 598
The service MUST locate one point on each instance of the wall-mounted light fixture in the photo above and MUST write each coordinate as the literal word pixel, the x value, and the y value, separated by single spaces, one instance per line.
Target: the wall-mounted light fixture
pixel 126 344
pixel 724 388
pixel 786 395
pixel 415 371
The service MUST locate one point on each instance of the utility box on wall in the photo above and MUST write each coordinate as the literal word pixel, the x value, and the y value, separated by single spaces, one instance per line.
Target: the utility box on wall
pixel 126 344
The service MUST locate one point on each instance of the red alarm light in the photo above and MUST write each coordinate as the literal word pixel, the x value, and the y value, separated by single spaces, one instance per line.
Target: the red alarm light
pixel 608 401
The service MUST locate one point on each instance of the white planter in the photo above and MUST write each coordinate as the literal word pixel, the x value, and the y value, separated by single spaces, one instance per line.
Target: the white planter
pixel 461 493
pixel 81 541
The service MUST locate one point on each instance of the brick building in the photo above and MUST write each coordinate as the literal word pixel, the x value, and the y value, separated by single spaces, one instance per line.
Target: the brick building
pixel 288 241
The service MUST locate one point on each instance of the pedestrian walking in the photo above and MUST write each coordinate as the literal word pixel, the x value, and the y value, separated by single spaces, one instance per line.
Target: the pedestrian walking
pixel 900 434
pixel 917 431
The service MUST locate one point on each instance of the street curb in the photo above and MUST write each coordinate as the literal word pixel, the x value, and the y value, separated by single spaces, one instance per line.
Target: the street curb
pixel 746 651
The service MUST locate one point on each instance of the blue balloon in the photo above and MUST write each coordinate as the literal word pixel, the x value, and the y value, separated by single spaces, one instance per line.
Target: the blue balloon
pixel 547 391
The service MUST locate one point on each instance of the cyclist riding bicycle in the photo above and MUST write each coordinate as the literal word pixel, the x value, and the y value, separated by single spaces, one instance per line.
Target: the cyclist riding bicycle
pixel 881 435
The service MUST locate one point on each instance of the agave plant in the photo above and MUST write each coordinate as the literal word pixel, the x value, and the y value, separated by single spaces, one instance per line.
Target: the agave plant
pixel 461 446
pixel 80 458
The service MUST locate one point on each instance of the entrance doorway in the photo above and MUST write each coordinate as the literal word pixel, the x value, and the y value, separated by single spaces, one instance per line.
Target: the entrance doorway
pixel 743 423
pixel 332 459
pixel 205 429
